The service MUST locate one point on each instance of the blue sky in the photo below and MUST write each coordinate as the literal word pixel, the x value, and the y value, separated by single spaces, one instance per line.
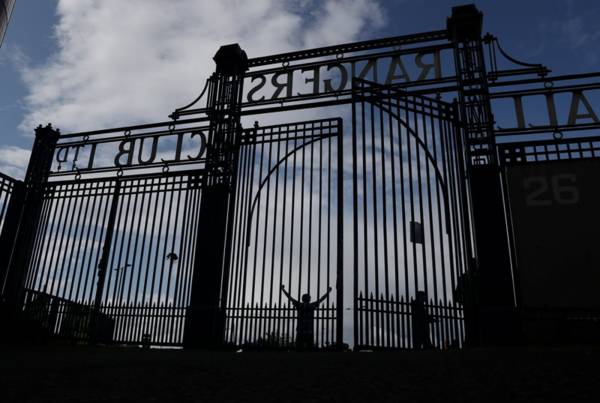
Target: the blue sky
pixel 88 64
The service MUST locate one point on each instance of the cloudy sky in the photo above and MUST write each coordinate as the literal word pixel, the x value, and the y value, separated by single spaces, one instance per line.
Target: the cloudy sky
pixel 90 64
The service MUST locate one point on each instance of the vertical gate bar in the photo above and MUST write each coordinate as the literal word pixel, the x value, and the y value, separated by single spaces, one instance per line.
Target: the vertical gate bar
pixel 77 239
pixel 90 269
pixel 408 147
pixel 153 200
pixel 429 108
pixel 373 156
pixel 452 234
pixel 246 258
pixel 324 322
pixel 92 272
pixel 160 191
pixel 231 311
pixel 82 286
pixel 464 201
pixel 420 188
pixel 411 197
pixel 111 266
pixel 329 249
pixel 364 223
pixel 274 327
pixel 256 233
pixel 241 206
pixel 282 247
pixel 246 321
pixel 177 228
pixel 309 256
pixel 301 232
pixel 440 186
pixel 85 200
pixel 394 203
pixel 451 191
pixel 176 186
pixel 125 203
pixel 339 337
pixel 37 272
pixel 355 295
pixel 186 217
pixel 263 323
pixel 401 146
pixel 292 225
pixel 50 250
pixel 65 241
pixel 385 225
pixel 132 210
pixel 66 267
pixel 133 289
pixel 102 267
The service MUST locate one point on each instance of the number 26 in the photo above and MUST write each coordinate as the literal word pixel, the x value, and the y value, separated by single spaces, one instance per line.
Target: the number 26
pixel 563 190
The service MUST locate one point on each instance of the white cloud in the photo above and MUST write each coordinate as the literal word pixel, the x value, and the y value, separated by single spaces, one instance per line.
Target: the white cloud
pixel 13 161
pixel 125 62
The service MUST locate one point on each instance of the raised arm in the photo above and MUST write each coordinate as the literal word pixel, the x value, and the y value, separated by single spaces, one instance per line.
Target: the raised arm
pixel 287 294
pixel 324 297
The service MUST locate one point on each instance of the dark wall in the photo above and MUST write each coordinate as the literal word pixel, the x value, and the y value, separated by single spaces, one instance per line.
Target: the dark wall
pixel 556 216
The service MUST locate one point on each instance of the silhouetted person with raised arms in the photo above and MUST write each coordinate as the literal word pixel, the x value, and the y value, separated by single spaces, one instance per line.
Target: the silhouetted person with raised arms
pixel 306 315
pixel 420 321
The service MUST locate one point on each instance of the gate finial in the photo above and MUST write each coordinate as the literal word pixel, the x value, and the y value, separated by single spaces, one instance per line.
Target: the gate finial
pixel 231 60
pixel 465 24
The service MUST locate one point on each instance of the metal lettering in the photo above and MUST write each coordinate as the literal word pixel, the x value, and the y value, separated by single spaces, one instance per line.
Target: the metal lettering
pixel 254 90
pixel 343 79
pixel 436 65
pixel 574 114
pixel 58 156
pixel 280 86
pixel 370 66
pixel 314 80
pixel 152 151
pixel 392 75
pixel 124 151
pixel 76 157
pixel 202 145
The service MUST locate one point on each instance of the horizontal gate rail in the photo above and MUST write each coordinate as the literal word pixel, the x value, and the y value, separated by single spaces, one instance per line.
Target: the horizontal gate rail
pixel 119 323
pixel 549 150
pixel 275 326
pixel 396 318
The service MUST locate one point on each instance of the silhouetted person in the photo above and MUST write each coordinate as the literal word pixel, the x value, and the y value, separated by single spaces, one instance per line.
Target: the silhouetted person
pixel 306 315
pixel 420 321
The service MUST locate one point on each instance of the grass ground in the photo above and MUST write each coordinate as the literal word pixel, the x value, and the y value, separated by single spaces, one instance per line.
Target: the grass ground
pixel 71 374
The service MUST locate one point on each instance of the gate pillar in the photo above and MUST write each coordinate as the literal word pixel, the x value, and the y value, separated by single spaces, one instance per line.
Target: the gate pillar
pixel 205 316
pixel 491 320
pixel 25 211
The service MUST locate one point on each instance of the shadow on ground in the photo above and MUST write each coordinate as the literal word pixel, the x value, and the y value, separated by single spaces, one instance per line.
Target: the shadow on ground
pixel 70 374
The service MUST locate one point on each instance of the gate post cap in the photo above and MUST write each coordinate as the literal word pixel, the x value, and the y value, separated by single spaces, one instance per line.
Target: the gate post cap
pixel 231 60
pixel 465 23
pixel 46 131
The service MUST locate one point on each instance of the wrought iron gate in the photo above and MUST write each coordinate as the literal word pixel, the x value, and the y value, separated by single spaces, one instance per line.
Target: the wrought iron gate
pixel 119 249
pixel 287 231
pixel 409 210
